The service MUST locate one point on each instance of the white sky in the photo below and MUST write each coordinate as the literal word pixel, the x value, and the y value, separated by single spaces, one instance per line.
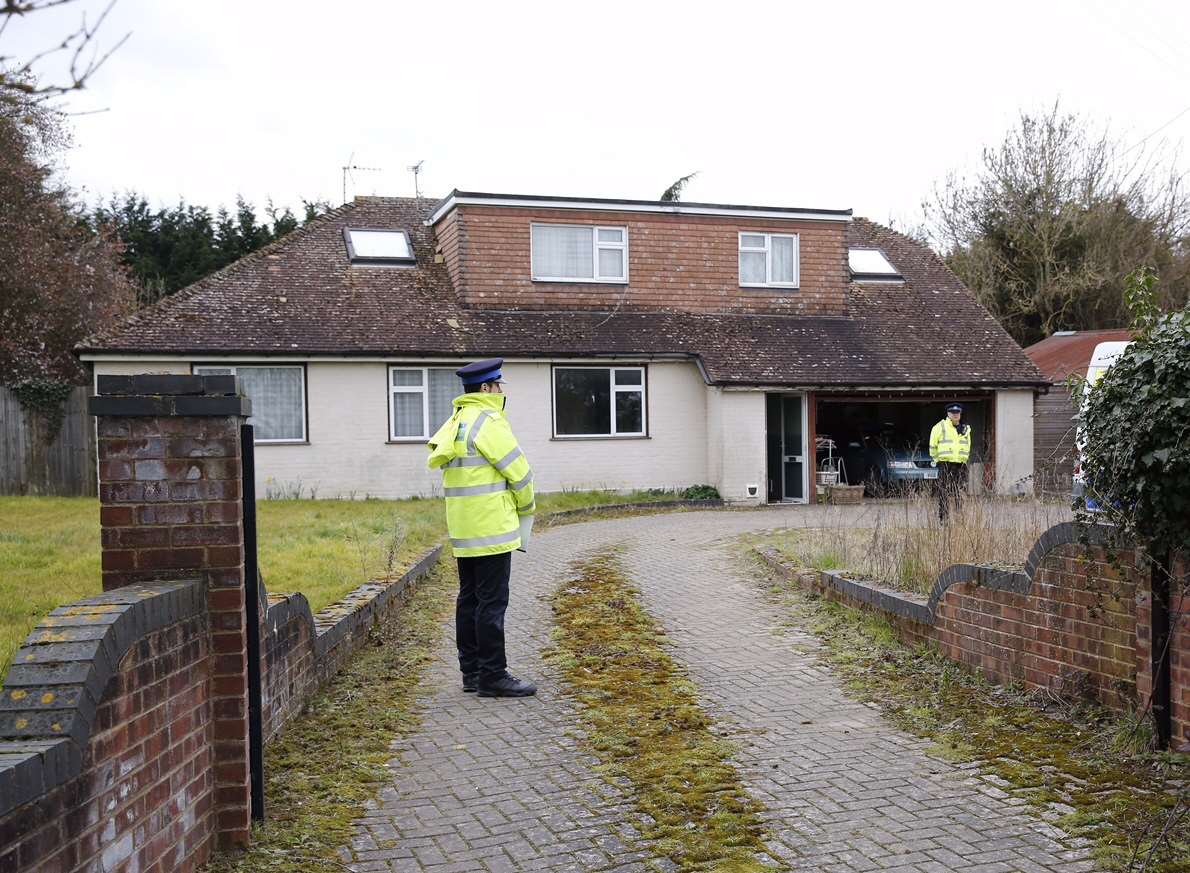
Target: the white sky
pixel 828 104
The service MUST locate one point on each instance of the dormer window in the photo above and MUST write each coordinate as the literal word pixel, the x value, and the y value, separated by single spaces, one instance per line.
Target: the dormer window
pixel 380 247
pixel 870 265
pixel 579 253
pixel 768 260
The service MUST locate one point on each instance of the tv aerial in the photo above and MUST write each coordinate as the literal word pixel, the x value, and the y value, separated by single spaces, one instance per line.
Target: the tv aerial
pixel 415 169
pixel 351 168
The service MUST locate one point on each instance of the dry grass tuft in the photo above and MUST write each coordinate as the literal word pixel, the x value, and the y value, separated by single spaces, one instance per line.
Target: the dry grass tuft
pixel 908 548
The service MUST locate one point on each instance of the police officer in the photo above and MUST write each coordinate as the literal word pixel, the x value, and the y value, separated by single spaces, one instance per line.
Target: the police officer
pixel 950 447
pixel 489 510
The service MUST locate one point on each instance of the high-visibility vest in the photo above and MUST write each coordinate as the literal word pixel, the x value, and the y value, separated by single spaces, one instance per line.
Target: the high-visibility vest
pixel 485 476
pixel 947 445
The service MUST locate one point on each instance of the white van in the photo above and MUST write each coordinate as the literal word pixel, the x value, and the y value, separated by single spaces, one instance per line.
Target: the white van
pixel 1102 358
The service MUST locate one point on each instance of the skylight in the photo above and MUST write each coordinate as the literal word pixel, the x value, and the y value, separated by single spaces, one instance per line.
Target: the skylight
pixel 870 264
pixel 376 246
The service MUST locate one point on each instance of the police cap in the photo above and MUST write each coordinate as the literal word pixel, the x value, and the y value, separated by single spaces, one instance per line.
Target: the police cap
pixel 955 407
pixel 481 371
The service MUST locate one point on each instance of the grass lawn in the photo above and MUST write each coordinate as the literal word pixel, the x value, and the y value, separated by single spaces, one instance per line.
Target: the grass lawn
pixel 49 548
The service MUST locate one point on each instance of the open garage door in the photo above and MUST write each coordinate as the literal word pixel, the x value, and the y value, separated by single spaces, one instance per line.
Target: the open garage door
pixel 883 440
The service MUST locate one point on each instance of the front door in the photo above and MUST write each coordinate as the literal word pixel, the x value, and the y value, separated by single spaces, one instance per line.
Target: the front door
pixel 793 459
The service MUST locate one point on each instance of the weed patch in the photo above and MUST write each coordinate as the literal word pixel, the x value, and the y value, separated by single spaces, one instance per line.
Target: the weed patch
pixel 644 723
pixel 330 760
pixel 1082 769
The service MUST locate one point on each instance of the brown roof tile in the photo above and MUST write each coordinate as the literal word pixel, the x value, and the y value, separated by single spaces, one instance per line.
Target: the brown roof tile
pixel 1063 354
pixel 301 296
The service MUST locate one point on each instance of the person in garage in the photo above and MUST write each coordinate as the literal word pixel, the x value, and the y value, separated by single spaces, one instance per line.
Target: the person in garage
pixel 950 449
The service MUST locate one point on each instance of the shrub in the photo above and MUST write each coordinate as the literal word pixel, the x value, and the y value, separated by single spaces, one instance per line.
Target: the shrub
pixel 1136 427
pixel 701 492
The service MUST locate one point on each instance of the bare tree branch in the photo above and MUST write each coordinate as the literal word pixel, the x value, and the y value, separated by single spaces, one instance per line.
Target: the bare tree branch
pixel 86 57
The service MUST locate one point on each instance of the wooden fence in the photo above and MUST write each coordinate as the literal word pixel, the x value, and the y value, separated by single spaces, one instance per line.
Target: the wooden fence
pixel 65 467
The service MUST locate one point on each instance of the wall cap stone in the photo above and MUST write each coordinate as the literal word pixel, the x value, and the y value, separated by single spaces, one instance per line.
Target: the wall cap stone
pixel 56 682
pixel 166 395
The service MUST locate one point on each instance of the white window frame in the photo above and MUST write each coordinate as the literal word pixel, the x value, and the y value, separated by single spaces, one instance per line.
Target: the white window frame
pixel 596 245
pixel 643 388
pixel 198 370
pixel 767 249
pixel 423 389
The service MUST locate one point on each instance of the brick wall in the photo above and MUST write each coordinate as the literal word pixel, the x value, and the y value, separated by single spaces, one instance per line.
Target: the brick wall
pixel 301 651
pixel 132 786
pixel 170 488
pixel 123 737
pixel 1078 618
pixel 676 262
pixel 1070 622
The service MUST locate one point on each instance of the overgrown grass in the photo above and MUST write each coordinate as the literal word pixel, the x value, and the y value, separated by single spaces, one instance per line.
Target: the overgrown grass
pixel 1083 769
pixel 643 721
pixel 49 547
pixel 331 759
pixel 908 548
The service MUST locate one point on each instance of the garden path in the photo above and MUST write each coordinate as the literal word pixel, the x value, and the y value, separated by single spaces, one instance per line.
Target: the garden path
pixel 502 785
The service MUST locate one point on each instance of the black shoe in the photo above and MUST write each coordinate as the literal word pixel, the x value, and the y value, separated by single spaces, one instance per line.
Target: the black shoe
pixel 506 686
pixel 470 682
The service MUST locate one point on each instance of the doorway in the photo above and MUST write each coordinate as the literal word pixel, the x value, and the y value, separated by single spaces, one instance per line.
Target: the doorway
pixel 785 417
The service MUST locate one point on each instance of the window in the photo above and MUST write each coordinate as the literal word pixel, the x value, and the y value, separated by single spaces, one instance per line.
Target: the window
pixel 870 264
pixel 278 395
pixel 575 253
pixel 377 246
pixel 769 259
pixel 419 400
pixel 599 401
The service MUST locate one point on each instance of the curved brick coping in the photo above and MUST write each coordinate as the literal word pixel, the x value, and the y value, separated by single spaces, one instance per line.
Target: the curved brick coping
pixel 924 610
pixel 614 507
pixel 57 679
pixel 337 621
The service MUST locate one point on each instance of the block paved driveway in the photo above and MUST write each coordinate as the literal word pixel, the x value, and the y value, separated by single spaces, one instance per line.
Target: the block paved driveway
pixel 502 785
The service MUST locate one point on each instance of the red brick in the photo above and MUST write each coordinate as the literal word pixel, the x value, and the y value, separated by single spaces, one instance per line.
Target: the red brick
pixel 168 559
pixel 118 560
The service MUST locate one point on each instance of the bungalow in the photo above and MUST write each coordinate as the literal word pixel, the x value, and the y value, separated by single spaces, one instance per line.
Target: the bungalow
pixel 648 344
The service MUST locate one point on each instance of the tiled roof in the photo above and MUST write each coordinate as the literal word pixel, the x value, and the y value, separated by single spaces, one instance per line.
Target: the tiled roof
pixel 1062 354
pixel 300 296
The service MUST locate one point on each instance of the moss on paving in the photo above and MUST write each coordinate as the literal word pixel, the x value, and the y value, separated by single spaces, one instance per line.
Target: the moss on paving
pixel 1080 767
pixel 643 721
pixel 330 760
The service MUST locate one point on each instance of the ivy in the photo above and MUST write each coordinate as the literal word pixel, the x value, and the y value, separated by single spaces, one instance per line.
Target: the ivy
pixel 1135 426
pixel 45 398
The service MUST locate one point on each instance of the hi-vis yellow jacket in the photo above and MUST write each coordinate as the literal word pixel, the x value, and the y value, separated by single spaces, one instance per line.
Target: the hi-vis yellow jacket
pixel 487 479
pixel 947 445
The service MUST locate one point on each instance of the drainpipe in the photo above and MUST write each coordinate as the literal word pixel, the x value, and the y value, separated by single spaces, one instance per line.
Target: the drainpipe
pixel 1159 584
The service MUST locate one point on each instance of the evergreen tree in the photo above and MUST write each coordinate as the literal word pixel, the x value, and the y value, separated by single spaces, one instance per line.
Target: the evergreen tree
pixel 172 247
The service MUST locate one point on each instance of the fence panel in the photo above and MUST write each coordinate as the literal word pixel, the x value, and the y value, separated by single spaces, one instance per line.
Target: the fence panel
pixel 66 467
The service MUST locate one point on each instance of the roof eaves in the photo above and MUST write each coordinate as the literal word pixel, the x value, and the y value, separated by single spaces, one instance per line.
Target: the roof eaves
pixel 463 198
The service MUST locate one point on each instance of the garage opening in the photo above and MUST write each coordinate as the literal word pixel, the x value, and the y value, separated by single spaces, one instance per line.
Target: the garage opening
pixel 882 441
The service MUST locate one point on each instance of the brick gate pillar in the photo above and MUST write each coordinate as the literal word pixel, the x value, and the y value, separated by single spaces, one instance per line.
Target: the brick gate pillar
pixel 170 486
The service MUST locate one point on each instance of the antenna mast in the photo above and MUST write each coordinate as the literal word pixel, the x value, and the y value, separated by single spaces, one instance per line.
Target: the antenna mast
pixel 349 167
pixel 415 170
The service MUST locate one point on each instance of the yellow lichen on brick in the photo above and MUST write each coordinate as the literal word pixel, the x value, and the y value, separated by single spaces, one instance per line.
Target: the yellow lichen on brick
pixel 19 694
pixel 47 698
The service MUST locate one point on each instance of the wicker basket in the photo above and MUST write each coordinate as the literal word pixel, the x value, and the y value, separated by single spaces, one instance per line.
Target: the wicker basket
pixel 845 495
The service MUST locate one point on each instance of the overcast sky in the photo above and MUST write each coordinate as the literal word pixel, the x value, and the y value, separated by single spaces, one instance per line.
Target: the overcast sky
pixel 829 105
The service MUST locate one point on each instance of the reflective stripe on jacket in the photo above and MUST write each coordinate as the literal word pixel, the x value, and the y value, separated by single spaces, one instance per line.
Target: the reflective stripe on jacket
pixel 947 445
pixel 485 476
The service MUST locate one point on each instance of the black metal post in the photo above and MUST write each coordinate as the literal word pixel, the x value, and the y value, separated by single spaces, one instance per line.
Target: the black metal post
pixel 252 598
pixel 1159 573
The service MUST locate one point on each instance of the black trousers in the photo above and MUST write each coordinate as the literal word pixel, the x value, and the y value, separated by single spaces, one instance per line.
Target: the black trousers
pixel 479 613
pixel 952 482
